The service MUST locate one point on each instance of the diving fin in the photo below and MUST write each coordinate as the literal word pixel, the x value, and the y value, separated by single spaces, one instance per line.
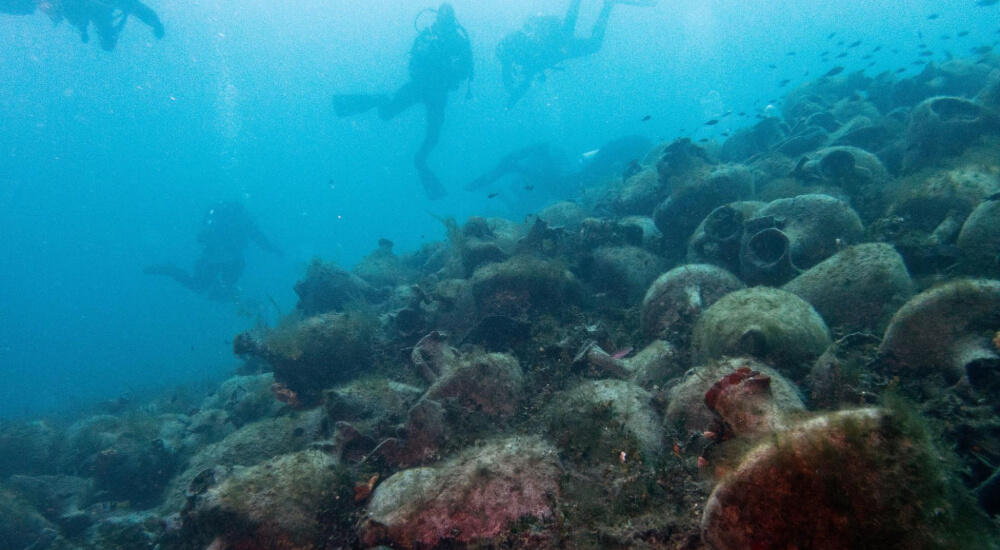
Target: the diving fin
pixel 355 104
pixel 432 185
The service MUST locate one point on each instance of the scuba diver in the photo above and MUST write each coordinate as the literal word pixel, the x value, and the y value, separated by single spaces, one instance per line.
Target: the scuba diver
pixel 537 165
pixel 107 16
pixel 536 175
pixel 543 42
pixel 226 231
pixel 440 60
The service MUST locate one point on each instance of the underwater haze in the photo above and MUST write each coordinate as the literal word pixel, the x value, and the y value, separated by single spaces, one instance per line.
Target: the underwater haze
pixel 676 274
pixel 110 158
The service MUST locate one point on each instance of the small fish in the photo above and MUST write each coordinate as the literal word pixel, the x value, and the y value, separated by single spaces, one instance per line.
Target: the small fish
pixel 645 118
pixel 622 353
pixel 866 57
pixel 790 53
pixel 783 83
pixel 855 44
pixel 741 113
pixel 901 70
pixel 841 43
pixel 918 63
pixel 933 16
pixel 834 71
pixel 491 195
pixel 703 140
pixel 982 50
pixel 921 46
pixel 724 134
pixel 712 122
pixel 831 35
pixel 987 2
pixel 927 53
pixel 760 116
pixel 877 49
pixel 772 66
pixel 529 187
pixel 824 54
pixel 842 55
pixel 945 37
pixel 962 34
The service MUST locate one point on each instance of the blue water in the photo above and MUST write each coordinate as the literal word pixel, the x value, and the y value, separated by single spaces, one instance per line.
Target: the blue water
pixel 108 159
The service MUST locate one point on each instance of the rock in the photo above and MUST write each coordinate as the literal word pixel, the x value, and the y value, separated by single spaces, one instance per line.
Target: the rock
pixel 744 413
pixel 623 271
pixel 597 420
pixel 28 448
pixel 640 194
pixel 245 399
pixel 490 384
pixel 989 96
pixel 693 198
pixel 947 331
pixel 858 173
pixel 285 501
pixel 942 126
pixel 979 241
pixel 564 214
pixel 513 287
pixel 370 402
pixel 644 227
pixel 420 442
pixel 134 471
pixel 134 531
pixel 800 143
pixel 328 288
pixel 842 377
pixel 816 226
pixel 775 326
pixel 21 526
pixel 655 364
pixel 381 268
pixel 957 78
pixel 747 142
pixel 676 300
pixel 718 238
pixel 857 289
pixel 928 212
pixel 479 245
pixel 681 158
pixel 313 354
pixel 475 496
pixel 250 445
pixel 854 479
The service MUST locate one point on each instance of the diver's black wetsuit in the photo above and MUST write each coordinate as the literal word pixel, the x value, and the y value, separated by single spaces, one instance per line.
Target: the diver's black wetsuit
pixel 440 60
pixel 543 42
pixel 225 233
pixel 539 163
pixel 108 18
